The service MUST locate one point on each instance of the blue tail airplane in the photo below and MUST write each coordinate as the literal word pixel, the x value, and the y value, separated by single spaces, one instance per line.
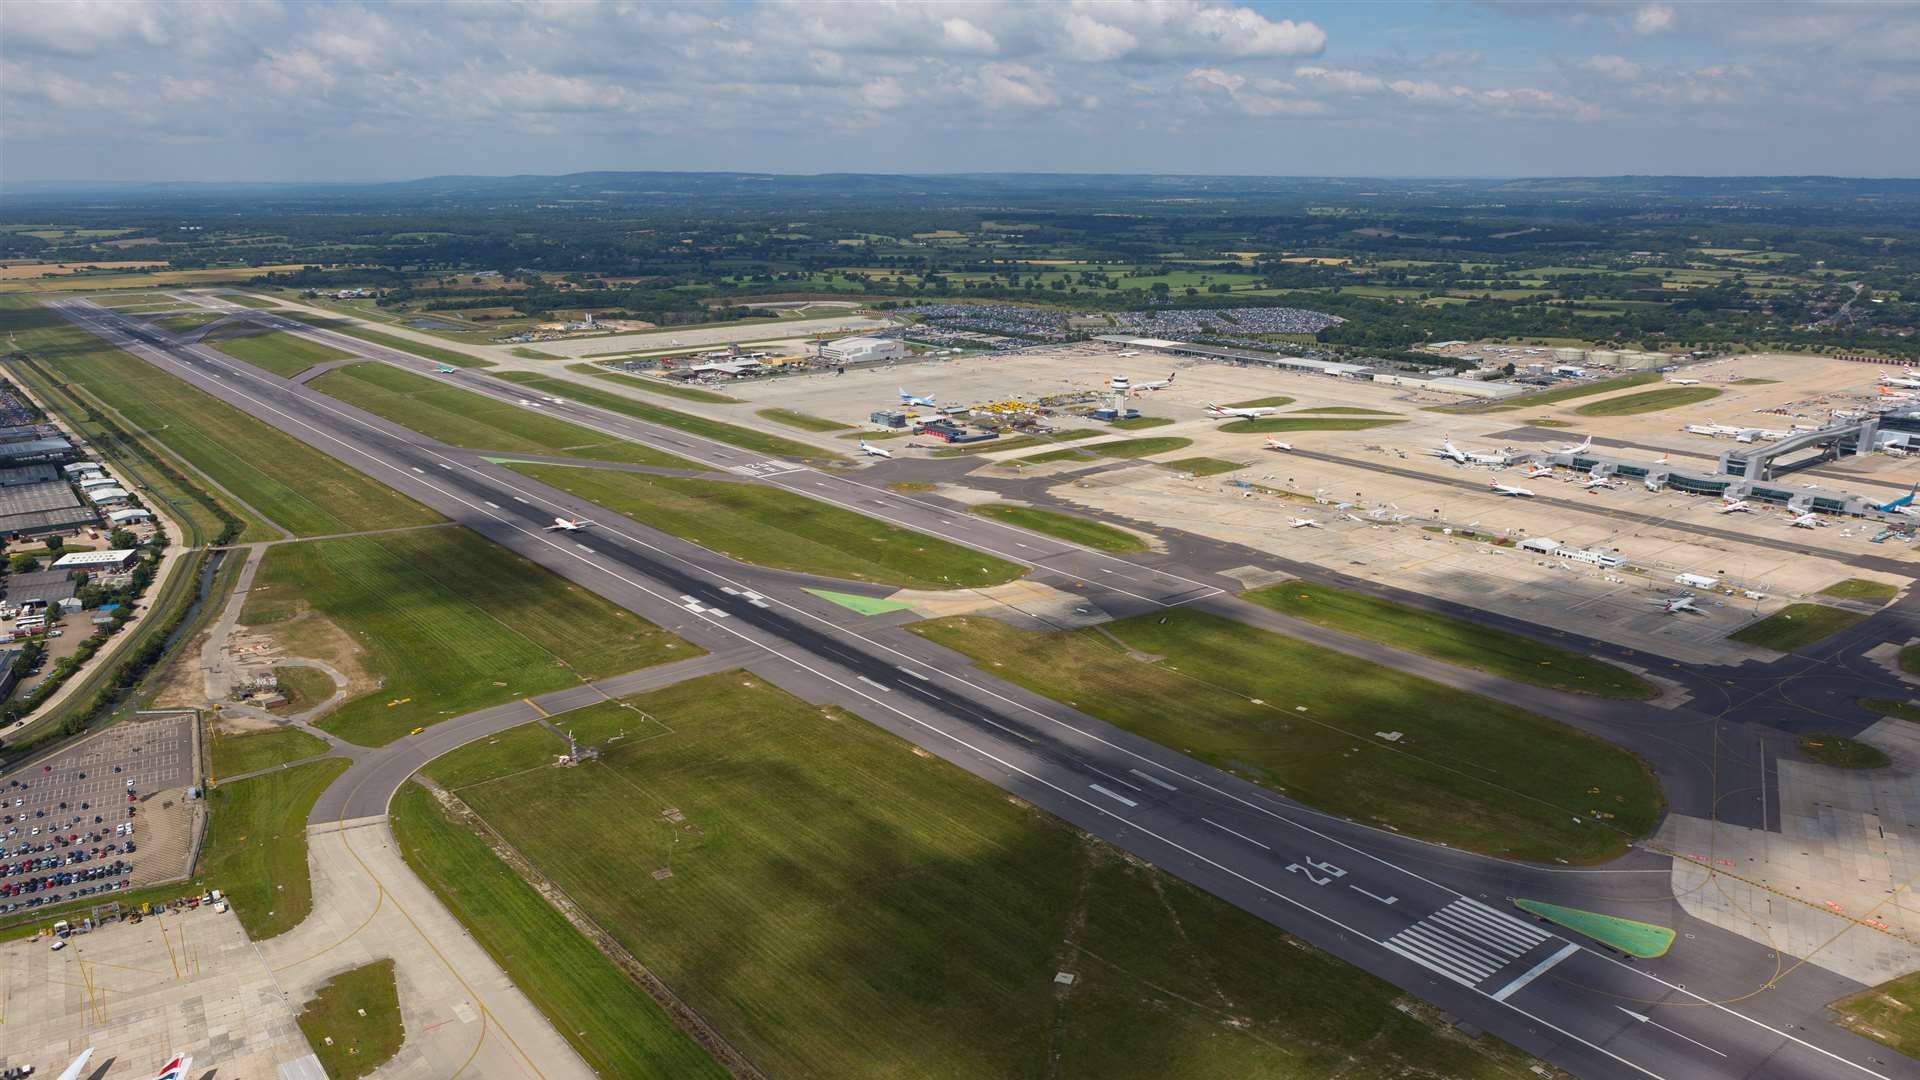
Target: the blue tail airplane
pixel 1901 505
pixel 915 399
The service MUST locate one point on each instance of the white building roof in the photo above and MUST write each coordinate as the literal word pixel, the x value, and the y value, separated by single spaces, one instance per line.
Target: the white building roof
pixel 131 513
pixel 86 560
pixel 107 494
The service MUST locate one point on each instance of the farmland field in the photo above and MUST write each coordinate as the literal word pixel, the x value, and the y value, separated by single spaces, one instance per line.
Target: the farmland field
pixel 806 845
pixel 463 418
pixel 449 621
pixel 296 486
pixel 1231 695
pixel 768 526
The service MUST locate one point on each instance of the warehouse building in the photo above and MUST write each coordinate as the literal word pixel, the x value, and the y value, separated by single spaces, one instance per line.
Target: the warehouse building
pixel 132 515
pixel 92 561
pixel 47 587
pixel 28 474
pixel 50 448
pixel 861 350
pixel 108 496
pixel 47 506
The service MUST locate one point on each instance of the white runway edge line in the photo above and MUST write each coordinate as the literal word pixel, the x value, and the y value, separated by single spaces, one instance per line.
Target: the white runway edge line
pixel 168 360
pixel 1241 835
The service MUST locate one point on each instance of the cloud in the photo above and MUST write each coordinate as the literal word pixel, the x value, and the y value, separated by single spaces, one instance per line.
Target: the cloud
pixel 1613 67
pixel 1652 19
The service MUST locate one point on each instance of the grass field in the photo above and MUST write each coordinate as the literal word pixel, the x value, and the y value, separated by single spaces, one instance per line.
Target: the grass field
pixel 192 320
pixel 1204 466
pixel 1269 424
pixel 1899 710
pixel 1910 659
pixel 1876 592
pixel 303 687
pixel 1048 457
pixel 1139 448
pixel 1888 1014
pixel 232 755
pixel 463 418
pixel 827 879
pixel 1018 442
pixel 614 1026
pixel 450 621
pixel 1068 527
pixel 276 350
pixel 1468 771
pixel 435 353
pixel 653 386
pixel 257 845
pixel 296 486
pixel 1841 752
pixel 1646 401
pixel 353 1021
pixel 1261 403
pixel 802 420
pixel 760 442
pixel 1141 423
pixel 768 526
pixel 1794 626
pixel 250 300
pixel 1455 641
pixel 1345 410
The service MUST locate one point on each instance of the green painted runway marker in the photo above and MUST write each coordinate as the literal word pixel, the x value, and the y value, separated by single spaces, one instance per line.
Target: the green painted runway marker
pixel 865 605
pixel 1644 940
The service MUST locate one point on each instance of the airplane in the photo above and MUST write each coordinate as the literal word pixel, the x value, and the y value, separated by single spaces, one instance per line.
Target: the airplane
pixel 1302 523
pixel 1684 382
pixel 1676 605
pixel 1597 482
pixel 1580 447
pixel 1221 413
pixel 916 399
pixel 176 1069
pixel 1901 505
pixel 874 451
pixel 1908 379
pixel 1537 471
pixel 1157 384
pixel 1466 457
pixel 1499 488
pixel 1808 520
pixel 443 370
pixel 79 1063
pixel 1276 444
pixel 1735 506
pixel 561 524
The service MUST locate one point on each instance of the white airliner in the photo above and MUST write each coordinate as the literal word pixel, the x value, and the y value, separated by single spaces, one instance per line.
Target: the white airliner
pixel 1684 382
pixel 916 399
pixel 561 524
pixel 1598 482
pixel 1302 523
pixel 1499 488
pixel 79 1063
pixel 1156 384
pixel 1736 506
pixel 1675 605
pixel 1221 412
pixel 1466 457
pixel 1540 470
pixel 871 450
pixel 1276 444
pixel 1808 520
pixel 1580 447
pixel 1908 379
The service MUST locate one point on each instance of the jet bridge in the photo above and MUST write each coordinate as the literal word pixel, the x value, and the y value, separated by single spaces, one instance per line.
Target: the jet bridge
pixel 1763 462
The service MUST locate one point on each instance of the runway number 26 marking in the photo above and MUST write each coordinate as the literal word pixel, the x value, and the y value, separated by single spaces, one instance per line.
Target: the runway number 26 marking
pixel 1326 872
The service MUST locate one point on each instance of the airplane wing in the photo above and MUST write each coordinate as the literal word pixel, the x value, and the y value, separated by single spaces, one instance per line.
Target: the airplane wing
pixel 79 1063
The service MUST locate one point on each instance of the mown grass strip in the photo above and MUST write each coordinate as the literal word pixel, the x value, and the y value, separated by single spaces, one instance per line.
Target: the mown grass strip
pixel 276 351
pixel 1671 397
pixel 1453 640
pixel 1269 424
pixel 1309 722
pixel 435 353
pixel 653 386
pixel 1069 527
pixel 235 754
pixel 746 438
pixel 802 420
pixel 353 1021
pixel 1841 752
pixel 257 845
pixel 769 526
pixel 1873 592
pixel 1796 626
pixel 1203 466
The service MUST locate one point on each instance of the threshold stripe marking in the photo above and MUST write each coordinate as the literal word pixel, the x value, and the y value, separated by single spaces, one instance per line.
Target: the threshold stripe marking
pixel 1535 972
pixel 1121 799
pixel 1153 779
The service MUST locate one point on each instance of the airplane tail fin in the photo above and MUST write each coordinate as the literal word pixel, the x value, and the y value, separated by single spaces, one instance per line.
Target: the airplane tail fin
pixel 176 1069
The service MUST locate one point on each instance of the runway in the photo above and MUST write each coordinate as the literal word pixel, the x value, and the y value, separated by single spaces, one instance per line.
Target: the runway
pixel 1434 921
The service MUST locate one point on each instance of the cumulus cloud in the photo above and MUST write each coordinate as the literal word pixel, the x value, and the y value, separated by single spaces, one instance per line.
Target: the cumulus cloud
pixel 1652 19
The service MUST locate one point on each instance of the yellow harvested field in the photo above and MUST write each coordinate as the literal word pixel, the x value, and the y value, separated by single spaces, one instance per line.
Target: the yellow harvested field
pixel 1316 260
pixel 13 281
pixel 14 271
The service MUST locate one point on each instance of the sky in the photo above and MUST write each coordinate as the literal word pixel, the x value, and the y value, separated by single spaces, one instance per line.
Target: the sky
pixel 289 91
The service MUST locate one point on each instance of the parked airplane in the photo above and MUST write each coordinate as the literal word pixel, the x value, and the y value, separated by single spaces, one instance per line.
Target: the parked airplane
pixel 1684 382
pixel 1808 520
pixel 1580 447
pixel 561 524
pixel 1466 457
pixel 874 451
pixel 1599 483
pixel 916 399
pixel 1908 379
pixel 1302 523
pixel 79 1063
pixel 176 1069
pixel 1676 605
pixel 1219 412
pixel 1735 506
pixel 1901 505
pixel 1276 444
pixel 1499 488
pixel 1537 471
pixel 1157 384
